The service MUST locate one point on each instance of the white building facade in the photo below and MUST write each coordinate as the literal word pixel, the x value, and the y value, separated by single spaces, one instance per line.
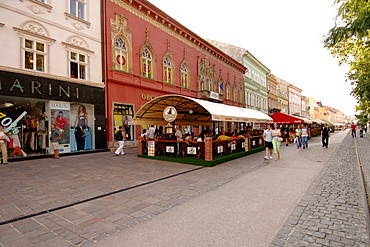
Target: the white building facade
pixel 50 67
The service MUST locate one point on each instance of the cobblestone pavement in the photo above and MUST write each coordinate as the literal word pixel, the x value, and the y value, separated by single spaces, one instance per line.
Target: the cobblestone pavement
pixel 334 210
pixel 82 199
pixel 144 188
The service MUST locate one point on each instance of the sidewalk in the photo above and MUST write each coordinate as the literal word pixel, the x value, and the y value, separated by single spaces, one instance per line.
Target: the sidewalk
pixel 248 211
pixel 131 201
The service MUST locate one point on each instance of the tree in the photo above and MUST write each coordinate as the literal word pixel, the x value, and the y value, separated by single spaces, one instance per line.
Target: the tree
pixel 349 41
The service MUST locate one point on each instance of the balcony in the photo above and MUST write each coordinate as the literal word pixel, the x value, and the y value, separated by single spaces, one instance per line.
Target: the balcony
pixel 211 96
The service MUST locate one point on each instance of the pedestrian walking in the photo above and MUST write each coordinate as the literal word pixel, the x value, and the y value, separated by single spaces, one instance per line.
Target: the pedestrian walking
pixel 276 134
pixel 267 136
pixel 325 134
pixel 361 131
pixel 120 137
pixel 3 145
pixel 304 136
pixel 54 139
pixel 353 130
pixel 298 136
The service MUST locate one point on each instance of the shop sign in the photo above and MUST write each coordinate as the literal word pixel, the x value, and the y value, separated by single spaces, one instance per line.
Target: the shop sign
pixel 39 88
pixel 59 105
pixel 147 97
pixel 8 122
pixel 170 114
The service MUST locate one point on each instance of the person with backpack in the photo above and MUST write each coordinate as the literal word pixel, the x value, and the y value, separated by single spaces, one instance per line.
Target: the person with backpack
pixel 120 137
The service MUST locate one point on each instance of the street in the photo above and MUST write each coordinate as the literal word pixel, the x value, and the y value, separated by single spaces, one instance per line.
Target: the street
pixel 311 196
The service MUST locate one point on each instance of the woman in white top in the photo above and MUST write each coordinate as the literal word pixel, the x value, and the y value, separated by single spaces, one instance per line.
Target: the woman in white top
pixel 276 133
pixel 304 136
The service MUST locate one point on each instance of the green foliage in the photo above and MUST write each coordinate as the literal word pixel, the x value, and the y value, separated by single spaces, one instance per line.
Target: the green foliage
pixel 349 41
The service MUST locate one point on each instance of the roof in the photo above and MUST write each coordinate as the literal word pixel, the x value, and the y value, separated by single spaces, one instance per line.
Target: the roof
pixel 195 112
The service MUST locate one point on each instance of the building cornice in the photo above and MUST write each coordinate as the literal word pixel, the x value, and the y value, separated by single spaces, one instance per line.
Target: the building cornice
pixel 149 12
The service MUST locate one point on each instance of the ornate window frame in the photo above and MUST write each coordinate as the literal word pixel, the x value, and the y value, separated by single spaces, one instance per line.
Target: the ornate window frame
pixel 37 33
pixel 184 75
pixel 78 45
pixel 120 54
pixel 119 29
pixel 146 49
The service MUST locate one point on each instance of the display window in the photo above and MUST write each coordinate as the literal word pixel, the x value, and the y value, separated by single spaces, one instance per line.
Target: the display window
pixel 27 122
pixel 123 115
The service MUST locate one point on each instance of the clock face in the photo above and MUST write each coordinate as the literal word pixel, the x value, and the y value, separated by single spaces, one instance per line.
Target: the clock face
pixel 169 113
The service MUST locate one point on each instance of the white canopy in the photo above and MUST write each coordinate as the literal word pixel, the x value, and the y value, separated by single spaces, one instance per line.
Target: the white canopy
pixel 195 112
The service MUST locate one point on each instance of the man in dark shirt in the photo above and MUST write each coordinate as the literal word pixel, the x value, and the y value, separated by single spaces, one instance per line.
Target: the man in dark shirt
pixel 325 134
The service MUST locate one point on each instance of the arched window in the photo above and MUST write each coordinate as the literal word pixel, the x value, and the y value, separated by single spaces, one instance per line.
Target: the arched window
pixel 120 52
pixel 235 94
pixel 228 91
pixel 241 93
pixel 184 72
pixel 146 61
pixel 167 70
pixel 221 86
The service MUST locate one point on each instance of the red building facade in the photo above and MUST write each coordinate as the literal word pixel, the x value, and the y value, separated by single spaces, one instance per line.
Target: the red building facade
pixel 148 54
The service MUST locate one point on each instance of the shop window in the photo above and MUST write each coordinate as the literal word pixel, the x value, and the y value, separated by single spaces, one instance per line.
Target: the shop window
pixel 78 65
pixel 167 70
pixel 146 61
pixel 34 55
pixel 123 115
pixel 184 76
pixel 120 50
pixel 77 8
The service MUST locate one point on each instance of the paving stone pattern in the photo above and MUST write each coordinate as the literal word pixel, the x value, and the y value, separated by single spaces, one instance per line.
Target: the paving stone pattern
pixel 33 186
pixel 334 211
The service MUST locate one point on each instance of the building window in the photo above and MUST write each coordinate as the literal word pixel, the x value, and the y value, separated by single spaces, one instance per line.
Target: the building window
pixel 167 70
pixel 235 94
pixel 34 55
pixel 228 91
pixel 78 65
pixel 120 51
pixel 184 76
pixel 220 86
pixel 123 115
pixel 146 60
pixel 241 92
pixel 77 8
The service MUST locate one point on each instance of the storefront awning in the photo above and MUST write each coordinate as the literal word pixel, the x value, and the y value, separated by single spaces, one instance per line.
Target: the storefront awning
pixel 315 120
pixel 282 118
pixel 191 111
pixel 328 122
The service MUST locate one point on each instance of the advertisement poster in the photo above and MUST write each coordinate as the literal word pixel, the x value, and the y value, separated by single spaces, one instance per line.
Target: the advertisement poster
pixel 60 116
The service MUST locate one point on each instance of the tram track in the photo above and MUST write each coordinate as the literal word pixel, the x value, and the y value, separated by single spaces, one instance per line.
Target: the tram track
pixel 96 197
pixel 365 183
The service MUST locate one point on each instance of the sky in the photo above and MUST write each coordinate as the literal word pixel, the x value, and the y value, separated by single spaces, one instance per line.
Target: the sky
pixel 284 35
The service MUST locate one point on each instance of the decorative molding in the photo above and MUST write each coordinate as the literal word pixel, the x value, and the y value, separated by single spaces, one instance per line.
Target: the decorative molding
pixel 35 32
pixel 69 16
pixel 35 9
pixel 77 26
pixel 44 5
pixel 77 43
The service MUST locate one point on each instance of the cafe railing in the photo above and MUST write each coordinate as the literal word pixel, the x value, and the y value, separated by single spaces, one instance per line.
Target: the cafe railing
pixel 208 149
